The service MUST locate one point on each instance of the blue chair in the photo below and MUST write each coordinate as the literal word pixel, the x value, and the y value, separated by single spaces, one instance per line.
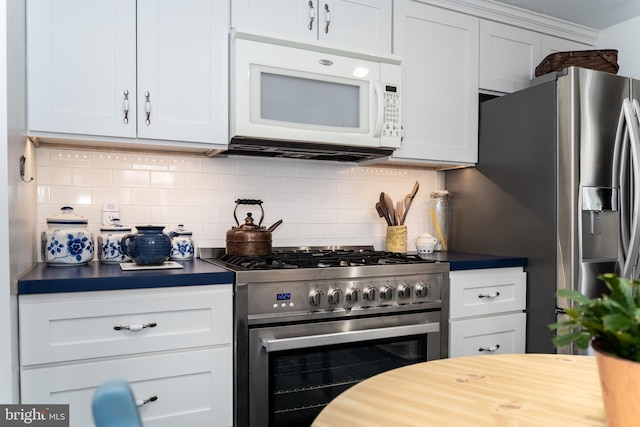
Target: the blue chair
pixel 115 406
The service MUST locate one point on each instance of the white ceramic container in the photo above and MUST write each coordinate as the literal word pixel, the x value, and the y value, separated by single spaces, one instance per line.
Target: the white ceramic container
pixel 181 244
pixel 67 240
pixel 109 242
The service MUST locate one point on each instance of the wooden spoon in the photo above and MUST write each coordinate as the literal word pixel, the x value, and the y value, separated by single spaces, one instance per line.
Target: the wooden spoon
pixel 391 210
pixel 409 199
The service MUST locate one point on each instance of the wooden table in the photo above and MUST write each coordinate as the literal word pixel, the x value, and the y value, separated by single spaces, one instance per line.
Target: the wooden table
pixel 543 390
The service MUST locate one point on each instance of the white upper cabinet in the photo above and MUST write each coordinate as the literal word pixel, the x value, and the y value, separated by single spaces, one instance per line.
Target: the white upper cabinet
pixel 91 64
pixel 81 59
pixel 358 24
pixel 439 51
pixel 508 56
pixel 552 44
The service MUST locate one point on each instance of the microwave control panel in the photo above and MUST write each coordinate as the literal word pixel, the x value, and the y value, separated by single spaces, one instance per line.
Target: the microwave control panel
pixel 391 126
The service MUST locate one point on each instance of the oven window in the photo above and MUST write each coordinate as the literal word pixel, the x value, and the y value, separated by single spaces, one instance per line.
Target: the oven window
pixel 305 381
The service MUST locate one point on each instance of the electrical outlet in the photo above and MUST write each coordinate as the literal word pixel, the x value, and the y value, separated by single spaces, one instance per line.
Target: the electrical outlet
pixel 109 212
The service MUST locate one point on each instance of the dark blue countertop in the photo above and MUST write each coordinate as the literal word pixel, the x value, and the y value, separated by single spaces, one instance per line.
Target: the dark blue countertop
pixel 96 276
pixel 465 261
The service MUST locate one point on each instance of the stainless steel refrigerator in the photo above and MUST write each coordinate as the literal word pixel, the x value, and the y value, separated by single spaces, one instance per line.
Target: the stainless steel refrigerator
pixel 555 183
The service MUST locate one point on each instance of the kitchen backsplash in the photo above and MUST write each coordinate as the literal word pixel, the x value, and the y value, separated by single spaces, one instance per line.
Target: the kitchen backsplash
pixel 319 203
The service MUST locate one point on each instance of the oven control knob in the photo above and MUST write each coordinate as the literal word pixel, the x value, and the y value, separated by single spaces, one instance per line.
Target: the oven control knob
pixel 422 290
pixel 370 293
pixel 315 297
pixel 404 291
pixel 334 296
pixel 353 295
pixel 386 293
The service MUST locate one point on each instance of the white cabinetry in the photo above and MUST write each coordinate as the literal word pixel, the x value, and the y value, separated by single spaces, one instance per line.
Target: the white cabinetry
pixel 508 56
pixel 91 64
pixel 439 51
pixel 552 44
pixel 178 348
pixel 487 311
pixel 361 24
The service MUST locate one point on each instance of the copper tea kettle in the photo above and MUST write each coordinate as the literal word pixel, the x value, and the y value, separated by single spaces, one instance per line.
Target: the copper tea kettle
pixel 250 239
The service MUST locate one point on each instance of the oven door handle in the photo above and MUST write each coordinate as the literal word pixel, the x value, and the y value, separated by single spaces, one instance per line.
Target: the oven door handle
pixel 295 343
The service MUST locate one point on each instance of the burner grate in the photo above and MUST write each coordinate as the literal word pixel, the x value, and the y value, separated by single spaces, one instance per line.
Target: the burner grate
pixel 320 258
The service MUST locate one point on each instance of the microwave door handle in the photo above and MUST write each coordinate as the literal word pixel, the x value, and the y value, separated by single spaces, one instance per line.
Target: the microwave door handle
pixel 296 343
pixel 379 93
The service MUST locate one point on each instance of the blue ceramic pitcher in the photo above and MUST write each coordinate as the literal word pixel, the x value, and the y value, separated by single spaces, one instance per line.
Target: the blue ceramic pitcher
pixel 150 246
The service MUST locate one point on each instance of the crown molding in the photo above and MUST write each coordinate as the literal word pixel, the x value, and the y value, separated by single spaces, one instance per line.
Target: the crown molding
pixel 494 11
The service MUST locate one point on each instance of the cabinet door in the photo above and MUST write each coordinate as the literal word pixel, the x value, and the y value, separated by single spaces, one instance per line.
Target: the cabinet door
pixel 439 51
pixel 552 44
pixel 295 18
pixel 193 388
pixel 81 57
pixel 508 57
pixel 182 67
pixel 362 24
pixel 503 334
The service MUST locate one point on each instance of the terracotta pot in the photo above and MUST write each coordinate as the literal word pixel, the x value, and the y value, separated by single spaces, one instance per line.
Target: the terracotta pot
pixel 620 383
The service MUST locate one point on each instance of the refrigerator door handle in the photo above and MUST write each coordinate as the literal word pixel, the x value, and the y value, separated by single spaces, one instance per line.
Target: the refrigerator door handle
pixel 619 171
pixel 631 260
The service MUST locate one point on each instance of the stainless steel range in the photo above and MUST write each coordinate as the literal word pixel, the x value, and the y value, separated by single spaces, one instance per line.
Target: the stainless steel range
pixel 312 322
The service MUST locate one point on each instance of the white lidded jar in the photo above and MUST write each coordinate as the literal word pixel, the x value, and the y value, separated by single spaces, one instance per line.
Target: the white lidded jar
pixel 109 242
pixel 181 244
pixel 67 240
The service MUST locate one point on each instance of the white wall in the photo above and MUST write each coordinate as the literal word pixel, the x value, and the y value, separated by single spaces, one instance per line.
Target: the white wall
pixel 624 37
pixel 320 203
pixel 17 198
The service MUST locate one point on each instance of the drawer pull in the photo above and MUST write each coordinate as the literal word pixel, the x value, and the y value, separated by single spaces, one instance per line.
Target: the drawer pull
pixel 490 349
pixel 135 327
pixel 489 295
pixel 141 402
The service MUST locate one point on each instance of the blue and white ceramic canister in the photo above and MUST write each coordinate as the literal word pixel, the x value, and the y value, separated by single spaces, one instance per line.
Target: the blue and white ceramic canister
pixel 181 243
pixel 109 242
pixel 67 240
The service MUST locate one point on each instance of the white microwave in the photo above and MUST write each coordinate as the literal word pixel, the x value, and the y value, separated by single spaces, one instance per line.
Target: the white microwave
pixel 312 101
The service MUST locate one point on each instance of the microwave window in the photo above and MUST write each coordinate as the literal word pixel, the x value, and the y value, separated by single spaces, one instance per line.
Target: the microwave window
pixel 310 102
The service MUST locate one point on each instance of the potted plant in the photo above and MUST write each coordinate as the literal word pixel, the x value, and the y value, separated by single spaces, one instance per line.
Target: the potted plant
pixel 611 325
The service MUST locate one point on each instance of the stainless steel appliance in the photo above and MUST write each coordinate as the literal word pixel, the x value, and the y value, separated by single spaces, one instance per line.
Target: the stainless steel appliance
pixel 312 322
pixel 554 182
pixel 305 100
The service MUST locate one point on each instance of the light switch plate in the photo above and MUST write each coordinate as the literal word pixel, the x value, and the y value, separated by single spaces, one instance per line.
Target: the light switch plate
pixel 109 212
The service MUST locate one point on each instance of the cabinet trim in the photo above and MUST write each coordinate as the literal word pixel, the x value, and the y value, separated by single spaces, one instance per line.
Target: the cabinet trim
pixel 515 16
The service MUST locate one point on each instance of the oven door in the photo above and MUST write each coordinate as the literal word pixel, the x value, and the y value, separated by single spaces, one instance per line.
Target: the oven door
pixel 296 370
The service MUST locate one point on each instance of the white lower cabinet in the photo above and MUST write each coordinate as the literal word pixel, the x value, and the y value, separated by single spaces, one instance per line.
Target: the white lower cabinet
pixel 487 311
pixel 176 355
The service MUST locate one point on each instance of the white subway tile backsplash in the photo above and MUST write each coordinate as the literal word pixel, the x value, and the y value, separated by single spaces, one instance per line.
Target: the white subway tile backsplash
pixel 131 178
pixel 149 196
pixel 91 177
pixel 168 180
pixel 185 197
pixel 55 175
pixel 319 203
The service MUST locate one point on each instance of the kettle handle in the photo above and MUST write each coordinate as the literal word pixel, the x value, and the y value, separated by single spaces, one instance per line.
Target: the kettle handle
pixel 248 202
